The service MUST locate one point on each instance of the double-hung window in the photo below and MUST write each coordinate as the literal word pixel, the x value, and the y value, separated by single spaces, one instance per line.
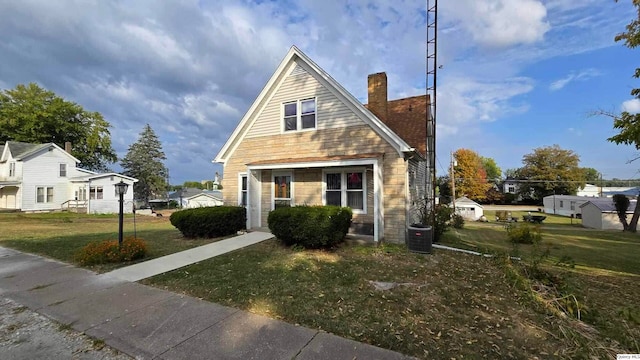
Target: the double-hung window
pixel 96 192
pixel 44 194
pixel 244 190
pixel 299 115
pixel 346 188
pixel 63 170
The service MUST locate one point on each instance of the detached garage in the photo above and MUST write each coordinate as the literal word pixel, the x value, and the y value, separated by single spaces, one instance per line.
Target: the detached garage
pixel 468 209
pixel 203 200
pixel 601 214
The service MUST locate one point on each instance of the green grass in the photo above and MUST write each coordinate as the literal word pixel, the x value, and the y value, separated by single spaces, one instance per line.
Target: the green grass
pixel 609 250
pixel 450 305
pixel 61 235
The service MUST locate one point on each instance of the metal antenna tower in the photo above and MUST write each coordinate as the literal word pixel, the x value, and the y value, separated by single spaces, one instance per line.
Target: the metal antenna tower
pixel 432 70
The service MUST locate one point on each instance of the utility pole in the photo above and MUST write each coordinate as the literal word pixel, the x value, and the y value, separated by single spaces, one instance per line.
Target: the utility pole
pixel 600 195
pixel 453 182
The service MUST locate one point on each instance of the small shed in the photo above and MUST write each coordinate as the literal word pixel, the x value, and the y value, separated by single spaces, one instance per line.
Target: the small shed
pixel 600 213
pixel 468 209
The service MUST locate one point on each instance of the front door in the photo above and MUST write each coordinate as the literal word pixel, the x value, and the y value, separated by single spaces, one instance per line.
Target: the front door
pixel 255 194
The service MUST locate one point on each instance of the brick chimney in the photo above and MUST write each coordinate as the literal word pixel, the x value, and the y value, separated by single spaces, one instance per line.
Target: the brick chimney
pixel 67 147
pixel 378 95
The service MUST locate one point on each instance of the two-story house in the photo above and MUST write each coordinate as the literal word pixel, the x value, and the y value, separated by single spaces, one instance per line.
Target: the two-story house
pixel 45 177
pixel 307 141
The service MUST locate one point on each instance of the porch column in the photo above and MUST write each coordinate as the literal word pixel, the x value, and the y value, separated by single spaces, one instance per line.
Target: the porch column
pixel 378 198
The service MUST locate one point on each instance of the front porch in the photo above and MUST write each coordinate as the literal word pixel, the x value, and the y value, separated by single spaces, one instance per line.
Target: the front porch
pixel 351 181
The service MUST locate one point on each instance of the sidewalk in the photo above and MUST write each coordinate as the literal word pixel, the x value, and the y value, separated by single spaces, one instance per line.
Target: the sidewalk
pixel 146 322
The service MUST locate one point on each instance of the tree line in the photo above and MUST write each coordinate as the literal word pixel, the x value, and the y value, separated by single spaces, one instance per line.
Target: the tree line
pixel 32 114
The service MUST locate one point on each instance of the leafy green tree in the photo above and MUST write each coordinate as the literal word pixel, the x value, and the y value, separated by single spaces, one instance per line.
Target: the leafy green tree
pixel 512 173
pixel 32 114
pixel 470 176
pixel 550 170
pixel 193 184
pixel 443 184
pixel 144 161
pixel 627 123
pixel 591 175
pixel 494 173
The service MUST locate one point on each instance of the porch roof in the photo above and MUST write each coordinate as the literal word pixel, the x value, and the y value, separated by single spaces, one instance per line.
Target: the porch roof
pixel 316 159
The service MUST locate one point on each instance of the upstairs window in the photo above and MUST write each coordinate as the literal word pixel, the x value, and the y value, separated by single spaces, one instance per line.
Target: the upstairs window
pixel 299 115
pixel 63 170
pixel 12 169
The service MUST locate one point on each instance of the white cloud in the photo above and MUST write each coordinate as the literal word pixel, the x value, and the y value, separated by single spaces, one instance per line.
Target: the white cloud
pixel 500 23
pixel 631 106
pixel 583 75
pixel 467 102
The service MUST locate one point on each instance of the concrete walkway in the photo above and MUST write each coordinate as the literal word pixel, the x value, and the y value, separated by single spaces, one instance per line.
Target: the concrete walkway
pixel 174 261
pixel 150 323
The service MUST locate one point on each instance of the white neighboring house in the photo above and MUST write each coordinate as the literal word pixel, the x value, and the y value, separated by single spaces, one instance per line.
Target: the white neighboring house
pixel 589 190
pixel 601 214
pixel 45 177
pixel 565 205
pixel 469 209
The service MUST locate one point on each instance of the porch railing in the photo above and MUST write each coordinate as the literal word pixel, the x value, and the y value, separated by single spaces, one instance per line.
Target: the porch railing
pixel 75 205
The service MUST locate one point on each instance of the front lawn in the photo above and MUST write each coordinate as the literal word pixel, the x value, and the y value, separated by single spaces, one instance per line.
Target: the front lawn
pixel 61 235
pixel 448 305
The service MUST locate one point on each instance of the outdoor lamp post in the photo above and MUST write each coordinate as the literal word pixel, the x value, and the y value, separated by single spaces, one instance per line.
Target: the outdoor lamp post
pixel 121 189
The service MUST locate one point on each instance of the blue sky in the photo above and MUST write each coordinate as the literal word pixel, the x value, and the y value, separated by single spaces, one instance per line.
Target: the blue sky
pixel 516 74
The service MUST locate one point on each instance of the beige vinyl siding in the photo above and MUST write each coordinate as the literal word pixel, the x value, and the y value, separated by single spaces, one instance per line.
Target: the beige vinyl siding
pixel 331 112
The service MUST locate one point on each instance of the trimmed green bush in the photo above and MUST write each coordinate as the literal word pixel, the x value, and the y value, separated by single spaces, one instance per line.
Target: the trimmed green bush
pixel 208 222
pixel 524 233
pixel 310 226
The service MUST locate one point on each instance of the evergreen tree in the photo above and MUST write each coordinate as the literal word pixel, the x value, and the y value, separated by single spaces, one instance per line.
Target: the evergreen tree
pixel 144 162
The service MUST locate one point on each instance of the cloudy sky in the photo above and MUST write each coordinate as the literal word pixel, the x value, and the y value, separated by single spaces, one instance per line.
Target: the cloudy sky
pixel 516 74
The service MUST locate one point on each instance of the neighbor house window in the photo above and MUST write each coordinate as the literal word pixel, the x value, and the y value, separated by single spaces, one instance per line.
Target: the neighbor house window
pixel 244 190
pixel 561 203
pixel 282 191
pixel 12 169
pixel 96 192
pixel 299 115
pixel 346 188
pixel 573 205
pixel 44 194
pixel 81 193
pixel 63 170
pixel 511 189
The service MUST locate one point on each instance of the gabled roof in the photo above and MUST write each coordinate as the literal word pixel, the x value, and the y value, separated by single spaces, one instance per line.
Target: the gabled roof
pixel 606 205
pixel 214 196
pixel 190 192
pixel 92 176
pixel 331 84
pixel 466 201
pixel 21 150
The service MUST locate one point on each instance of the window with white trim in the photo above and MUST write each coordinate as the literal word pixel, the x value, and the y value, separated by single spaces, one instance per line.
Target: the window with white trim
pixel 282 196
pixel 44 194
pixel 346 188
pixel 299 115
pixel 81 193
pixel 244 190
pixel 63 170
pixel 12 169
pixel 96 192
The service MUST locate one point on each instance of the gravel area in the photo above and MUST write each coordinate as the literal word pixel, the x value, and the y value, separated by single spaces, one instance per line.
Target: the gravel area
pixel 25 334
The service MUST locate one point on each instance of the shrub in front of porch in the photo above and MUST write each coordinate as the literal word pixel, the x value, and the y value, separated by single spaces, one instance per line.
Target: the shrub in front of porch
pixel 208 222
pixel 310 226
